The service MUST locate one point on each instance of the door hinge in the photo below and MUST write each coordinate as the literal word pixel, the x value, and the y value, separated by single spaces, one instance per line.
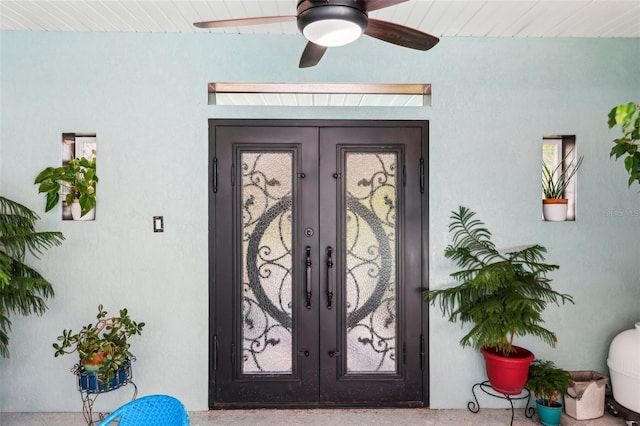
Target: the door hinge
pixel 422 175
pixel 215 353
pixel 404 353
pixel 404 175
pixel 214 178
pixel 422 352
pixel 233 174
pixel 233 354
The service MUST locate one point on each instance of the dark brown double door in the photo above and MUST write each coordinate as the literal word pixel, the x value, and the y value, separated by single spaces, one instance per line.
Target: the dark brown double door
pixel 317 259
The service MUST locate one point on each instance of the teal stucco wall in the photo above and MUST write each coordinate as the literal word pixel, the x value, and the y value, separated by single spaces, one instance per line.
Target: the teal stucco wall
pixel 145 95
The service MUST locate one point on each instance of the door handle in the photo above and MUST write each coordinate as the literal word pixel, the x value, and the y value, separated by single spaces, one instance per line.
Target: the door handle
pixel 329 277
pixel 308 283
pixel 333 354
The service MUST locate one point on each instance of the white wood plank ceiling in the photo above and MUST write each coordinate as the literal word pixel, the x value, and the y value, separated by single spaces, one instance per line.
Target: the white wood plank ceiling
pixel 442 18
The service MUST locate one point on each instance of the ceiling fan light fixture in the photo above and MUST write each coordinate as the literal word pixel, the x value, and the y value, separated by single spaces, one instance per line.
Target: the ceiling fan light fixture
pixel 331 24
pixel 332 32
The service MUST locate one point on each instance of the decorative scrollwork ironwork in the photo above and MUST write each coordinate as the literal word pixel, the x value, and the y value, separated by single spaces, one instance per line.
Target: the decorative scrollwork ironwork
pixel 267 223
pixel 266 219
pixel 371 229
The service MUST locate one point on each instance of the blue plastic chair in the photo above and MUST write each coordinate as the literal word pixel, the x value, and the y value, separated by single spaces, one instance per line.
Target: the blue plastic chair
pixel 152 410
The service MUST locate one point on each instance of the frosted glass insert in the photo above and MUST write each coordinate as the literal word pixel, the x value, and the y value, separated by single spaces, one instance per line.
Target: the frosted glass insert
pixel 267 262
pixel 371 262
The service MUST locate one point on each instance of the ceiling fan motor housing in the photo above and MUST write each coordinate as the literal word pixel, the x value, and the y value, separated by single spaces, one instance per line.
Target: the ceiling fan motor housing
pixel 318 17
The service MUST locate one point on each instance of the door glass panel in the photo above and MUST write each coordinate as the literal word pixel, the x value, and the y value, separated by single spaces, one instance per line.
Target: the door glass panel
pixel 371 200
pixel 267 261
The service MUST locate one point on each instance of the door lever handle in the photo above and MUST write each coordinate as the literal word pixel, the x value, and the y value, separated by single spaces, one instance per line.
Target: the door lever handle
pixel 333 354
pixel 329 277
pixel 308 283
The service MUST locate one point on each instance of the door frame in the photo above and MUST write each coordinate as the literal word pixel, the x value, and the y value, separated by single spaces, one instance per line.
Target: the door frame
pixel 424 252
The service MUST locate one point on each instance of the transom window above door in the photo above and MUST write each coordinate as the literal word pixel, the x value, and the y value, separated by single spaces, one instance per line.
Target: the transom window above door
pixel 321 94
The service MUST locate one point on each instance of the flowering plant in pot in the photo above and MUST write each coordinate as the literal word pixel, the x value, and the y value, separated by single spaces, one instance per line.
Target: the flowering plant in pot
pixel 103 347
pixel 79 179
pixel 501 294
pixel 554 184
pixel 547 382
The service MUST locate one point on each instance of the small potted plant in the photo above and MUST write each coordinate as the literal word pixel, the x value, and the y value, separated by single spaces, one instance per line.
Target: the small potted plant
pixel 554 183
pixel 103 347
pixel 501 294
pixel 547 382
pixel 78 178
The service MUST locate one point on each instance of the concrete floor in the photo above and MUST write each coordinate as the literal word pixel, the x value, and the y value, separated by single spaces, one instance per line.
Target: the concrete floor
pixel 328 417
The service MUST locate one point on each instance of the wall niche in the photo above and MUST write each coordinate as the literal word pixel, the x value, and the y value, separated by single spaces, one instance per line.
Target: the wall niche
pixel 560 163
pixel 77 146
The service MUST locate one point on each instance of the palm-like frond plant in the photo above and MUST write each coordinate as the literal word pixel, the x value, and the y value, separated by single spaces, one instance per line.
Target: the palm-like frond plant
pixel 501 294
pixel 22 289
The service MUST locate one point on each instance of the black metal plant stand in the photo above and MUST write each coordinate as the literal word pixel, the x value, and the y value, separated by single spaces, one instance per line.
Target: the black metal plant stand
pixel 91 385
pixel 474 406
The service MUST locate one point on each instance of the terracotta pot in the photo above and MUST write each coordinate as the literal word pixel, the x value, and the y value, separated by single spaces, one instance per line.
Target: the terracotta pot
pixel 507 375
pixel 555 209
pixel 92 365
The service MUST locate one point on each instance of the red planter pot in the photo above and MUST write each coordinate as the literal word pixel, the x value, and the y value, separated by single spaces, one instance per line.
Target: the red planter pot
pixel 507 375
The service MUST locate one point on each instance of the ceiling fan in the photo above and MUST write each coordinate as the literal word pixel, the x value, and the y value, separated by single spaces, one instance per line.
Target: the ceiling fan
pixel 329 23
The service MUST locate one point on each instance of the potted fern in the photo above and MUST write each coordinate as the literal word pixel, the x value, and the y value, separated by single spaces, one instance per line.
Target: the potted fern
pixel 103 349
pixel 501 294
pixel 554 184
pixel 547 382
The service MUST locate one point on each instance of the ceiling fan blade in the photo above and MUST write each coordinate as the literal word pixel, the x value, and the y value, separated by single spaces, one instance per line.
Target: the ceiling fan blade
pixel 380 4
pixel 245 21
pixel 400 35
pixel 311 55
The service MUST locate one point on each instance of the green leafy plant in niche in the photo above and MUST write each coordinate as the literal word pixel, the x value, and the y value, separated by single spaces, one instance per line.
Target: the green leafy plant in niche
pixel 22 289
pixel 627 118
pixel 78 177
pixel 502 295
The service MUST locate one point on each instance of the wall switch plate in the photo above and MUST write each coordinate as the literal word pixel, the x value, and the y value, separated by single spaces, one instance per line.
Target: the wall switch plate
pixel 158 224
